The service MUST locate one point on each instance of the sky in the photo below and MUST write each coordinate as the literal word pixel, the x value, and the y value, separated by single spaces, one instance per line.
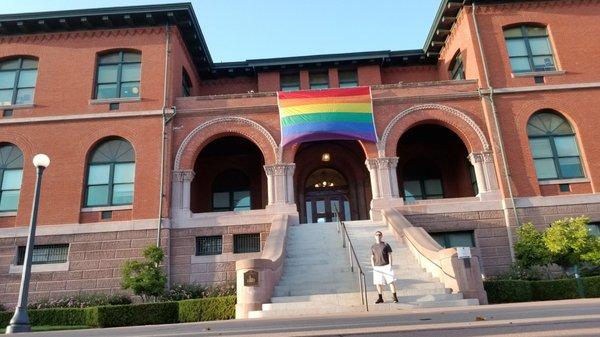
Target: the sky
pixel 237 30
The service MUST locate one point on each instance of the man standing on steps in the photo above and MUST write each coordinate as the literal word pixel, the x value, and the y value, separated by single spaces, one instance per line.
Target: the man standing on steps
pixel 381 261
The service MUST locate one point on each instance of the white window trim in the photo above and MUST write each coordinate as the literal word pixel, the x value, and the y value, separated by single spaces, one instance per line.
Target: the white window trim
pixel 40 268
pixel 115 100
pixel 106 208
pixel 17 106
pixel 564 181
pixel 539 73
pixel 8 214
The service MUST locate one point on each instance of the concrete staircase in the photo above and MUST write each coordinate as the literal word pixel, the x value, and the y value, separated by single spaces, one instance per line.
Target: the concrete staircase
pixel 317 278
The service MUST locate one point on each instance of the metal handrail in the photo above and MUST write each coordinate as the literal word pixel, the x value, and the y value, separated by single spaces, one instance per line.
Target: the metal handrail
pixel 353 257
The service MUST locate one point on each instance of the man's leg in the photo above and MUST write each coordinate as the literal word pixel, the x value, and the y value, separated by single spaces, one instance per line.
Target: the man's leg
pixel 379 291
pixel 393 289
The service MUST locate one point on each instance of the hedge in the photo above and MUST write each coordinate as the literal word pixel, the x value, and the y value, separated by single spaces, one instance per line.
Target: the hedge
pixel 135 314
pixel 204 309
pixel 207 309
pixel 506 291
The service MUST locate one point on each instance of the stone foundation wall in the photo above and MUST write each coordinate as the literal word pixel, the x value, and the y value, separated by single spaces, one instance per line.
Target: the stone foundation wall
pixel 186 267
pixel 94 264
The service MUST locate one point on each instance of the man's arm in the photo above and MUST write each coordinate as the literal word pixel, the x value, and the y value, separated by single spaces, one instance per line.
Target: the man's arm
pixel 372 259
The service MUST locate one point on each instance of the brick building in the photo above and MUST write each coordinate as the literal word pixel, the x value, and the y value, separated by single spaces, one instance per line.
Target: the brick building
pixel 489 125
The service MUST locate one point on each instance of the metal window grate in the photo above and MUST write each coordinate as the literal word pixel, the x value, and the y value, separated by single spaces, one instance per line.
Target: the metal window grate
pixel 44 254
pixel 209 245
pixel 246 243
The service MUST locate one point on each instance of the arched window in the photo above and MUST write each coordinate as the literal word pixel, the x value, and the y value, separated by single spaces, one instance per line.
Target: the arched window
pixel 118 75
pixel 111 171
pixel 457 68
pixel 17 81
pixel 529 49
pixel 11 174
pixel 553 146
pixel 231 192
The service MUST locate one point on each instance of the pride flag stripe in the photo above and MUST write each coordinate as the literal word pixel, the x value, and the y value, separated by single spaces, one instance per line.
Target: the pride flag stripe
pixel 344 113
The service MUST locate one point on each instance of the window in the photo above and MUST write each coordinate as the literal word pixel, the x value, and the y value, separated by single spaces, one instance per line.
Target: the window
pixel 17 81
pixel 348 78
pixel 231 192
pixel 529 49
pixel 246 243
pixel 44 254
pixel 594 228
pixel 186 84
pixel 209 245
pixel 290 82
pixel 553 146
pixel 454 239
pixel 11 174
pixel 110 174
pixel 422 181
pixel 457 69
pixel 118 75
pixel 319 80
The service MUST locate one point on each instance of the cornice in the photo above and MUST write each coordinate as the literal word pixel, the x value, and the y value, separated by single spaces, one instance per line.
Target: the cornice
pixel 59 36
pixel 531 5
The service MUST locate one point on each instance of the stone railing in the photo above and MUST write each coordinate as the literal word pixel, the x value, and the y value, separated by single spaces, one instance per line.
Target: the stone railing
pixel 256 278
pixel 462 276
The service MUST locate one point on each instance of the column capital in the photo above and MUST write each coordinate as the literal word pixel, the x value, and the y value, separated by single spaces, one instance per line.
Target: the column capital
pixel 387 162
pixel 183 175
pixel 481 157
pixel 279 169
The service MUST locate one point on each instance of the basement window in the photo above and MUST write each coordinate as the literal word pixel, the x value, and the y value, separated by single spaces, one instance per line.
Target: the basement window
pixel 246 243
pixel 45 254
pixel 454 239
pixel 209 245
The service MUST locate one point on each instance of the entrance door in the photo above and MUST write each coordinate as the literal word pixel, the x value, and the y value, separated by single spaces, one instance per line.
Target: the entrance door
pixel 322 206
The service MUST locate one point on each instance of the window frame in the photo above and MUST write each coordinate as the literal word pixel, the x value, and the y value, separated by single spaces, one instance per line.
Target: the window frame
pixel 289 87
pixel 525 37
pixel 20 257
pixel 186 84
pixel 231 193
pixel 111 182
pixel 15 89
pixel 446 238
pixel 457 67
pixel 3 170
pixel 219 245
pixel 311 84
pixel 119 65
pixel 555 157
pixel 423 195
pixel 355 81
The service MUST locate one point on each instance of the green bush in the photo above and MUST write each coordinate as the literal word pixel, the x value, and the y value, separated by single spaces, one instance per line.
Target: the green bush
pixel 81 301
pixel 145 278
pixel 56 316
pixel 592 286
pixel 190 291
pixel 554 289
pixel 5 317
pixel 136 314
pixel 207 309
pixel 507 291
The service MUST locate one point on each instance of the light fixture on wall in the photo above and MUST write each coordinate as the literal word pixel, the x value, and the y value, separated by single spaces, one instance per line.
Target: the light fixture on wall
pixel 325 157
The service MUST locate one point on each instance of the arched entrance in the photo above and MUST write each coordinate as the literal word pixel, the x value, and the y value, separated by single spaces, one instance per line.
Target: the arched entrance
pixel 229 176
pixel 331 176
pixel 433 164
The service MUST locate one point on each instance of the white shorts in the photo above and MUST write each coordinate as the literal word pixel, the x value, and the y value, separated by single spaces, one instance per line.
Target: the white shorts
pixel 383 275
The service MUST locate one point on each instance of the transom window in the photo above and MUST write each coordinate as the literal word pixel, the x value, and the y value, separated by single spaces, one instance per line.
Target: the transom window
pixel 111 172
pixel 231 192
pixel 348 78
pixel 457 69
pixel 186 84
pixel 17 81
pixel 209 245
pixel 319 80
pixel 246 243
pixel 454 239
pixel 553 146
pixel 290 82
pixel 118 75
pixel 11 174
pixel 529 49
pixel 44 254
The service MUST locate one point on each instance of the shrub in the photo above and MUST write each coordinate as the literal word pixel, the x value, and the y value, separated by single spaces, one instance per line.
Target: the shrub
pixel 2 308
pixel 5 317
pixel 570 242
pixel 530 249
pixel 191 291
pixel 507 291
pixel 207 309
pixel 136 314
pixel 56 316
pixel 145 278
pixel 592 286
pixel 81 301
pixel 554 289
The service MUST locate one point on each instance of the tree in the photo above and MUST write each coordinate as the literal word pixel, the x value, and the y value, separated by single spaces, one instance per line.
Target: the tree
pixel 570 242
pixel 145 278
pixel 530 249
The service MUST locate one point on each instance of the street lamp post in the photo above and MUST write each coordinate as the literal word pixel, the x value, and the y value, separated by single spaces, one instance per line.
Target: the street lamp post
pixel 20 320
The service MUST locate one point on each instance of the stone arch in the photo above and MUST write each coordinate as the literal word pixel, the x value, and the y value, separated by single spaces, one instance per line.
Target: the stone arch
pixel 206 132
pixel 289 152
pixel 457 121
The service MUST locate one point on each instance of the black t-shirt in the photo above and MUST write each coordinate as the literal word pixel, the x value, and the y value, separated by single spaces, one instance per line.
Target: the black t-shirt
pixel 381 253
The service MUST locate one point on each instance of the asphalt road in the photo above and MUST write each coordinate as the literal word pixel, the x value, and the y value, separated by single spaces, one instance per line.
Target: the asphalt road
pixel 573 318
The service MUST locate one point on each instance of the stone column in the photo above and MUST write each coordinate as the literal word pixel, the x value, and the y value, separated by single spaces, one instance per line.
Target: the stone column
pixel 388 179
pixel 372 167
pixel 476 160
pixel 280 183
pixel 489 171
pixel 182 182
pixel 485 174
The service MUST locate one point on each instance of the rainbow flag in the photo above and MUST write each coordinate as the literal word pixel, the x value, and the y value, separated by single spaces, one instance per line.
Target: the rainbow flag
pixel 329 114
